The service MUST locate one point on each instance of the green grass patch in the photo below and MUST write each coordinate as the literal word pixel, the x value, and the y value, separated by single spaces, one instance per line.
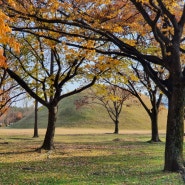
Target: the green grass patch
pixel 84 159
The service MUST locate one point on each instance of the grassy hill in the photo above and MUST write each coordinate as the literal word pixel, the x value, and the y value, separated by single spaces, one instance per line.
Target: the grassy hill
pixel 133 116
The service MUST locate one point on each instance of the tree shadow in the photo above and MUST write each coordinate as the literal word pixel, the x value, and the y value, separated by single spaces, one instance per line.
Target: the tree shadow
pixel 17 152
pixel 19 138
pixel 4 143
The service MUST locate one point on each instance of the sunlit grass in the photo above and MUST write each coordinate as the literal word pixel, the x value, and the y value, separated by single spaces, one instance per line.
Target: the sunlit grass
pixel 84 159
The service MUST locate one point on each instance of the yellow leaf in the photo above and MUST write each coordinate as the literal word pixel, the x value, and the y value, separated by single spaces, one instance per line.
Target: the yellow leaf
pixel 2 59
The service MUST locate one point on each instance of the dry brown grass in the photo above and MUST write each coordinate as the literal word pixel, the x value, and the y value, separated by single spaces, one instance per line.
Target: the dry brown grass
pixel 72 131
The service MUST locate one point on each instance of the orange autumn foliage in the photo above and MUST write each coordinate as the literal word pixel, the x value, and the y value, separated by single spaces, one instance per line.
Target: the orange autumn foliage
pixel 4 96
pixel 2 60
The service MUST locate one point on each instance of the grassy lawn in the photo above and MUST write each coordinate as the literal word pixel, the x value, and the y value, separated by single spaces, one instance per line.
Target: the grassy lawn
pixel 83 159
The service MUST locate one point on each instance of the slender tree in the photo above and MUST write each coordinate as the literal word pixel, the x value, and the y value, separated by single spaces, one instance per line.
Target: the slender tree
pixel 111 97
pixel 144 85
pixel 35 133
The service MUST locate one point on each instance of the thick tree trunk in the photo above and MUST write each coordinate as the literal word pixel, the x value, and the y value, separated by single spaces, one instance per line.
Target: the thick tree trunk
pixel 116 129
pixel 154 127
pixel 48 143
pixel 175 130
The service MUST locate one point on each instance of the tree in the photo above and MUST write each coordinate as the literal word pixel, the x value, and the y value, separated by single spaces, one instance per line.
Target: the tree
pixel 137 84
pixel 58 67
pixel 6 87
pixel 167 35
pixel 144 85
pixel 111 97
pixel 36 134
pixel 10 93
pixel 120 28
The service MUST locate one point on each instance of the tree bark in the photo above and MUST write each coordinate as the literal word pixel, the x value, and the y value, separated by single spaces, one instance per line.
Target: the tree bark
pixel 155 133
pixel 48 143
pixel 154 126
pixel 175 129
pixel 116 130
pixel 35 134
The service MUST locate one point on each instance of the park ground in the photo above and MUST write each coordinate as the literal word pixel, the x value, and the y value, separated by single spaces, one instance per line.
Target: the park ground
pixel 83 157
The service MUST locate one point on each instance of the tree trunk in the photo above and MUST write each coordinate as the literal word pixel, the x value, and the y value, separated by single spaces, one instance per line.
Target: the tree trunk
pixel 116 130
pixel 154 126
pixel 175 130
pixel 35 134
pixel 48 143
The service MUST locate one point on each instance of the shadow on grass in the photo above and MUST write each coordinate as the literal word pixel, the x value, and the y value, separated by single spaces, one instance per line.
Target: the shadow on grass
pixel 19 138
pixel 4 143
pixel 113 161
pixel 92 170
pixel 17 152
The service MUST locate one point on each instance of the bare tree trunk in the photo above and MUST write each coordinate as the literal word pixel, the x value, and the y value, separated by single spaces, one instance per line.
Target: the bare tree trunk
pixel 48 143
pixel 116 130
pixel 175 130
pixel 154 126
pixel 155 133
pixel 36 120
